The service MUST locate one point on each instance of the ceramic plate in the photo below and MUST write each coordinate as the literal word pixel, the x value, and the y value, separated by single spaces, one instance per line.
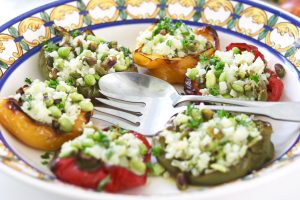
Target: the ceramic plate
pixel 274 31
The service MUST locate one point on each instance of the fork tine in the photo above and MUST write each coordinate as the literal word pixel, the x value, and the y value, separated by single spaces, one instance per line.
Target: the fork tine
pixel 131 99
pixel 115 121
pixel 120 114
pixel 122 105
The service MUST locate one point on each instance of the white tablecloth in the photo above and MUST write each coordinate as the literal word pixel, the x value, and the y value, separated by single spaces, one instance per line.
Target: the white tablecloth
pixel 12 189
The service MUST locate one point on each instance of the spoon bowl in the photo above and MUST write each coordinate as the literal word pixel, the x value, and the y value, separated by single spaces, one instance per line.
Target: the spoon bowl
pixel 135 84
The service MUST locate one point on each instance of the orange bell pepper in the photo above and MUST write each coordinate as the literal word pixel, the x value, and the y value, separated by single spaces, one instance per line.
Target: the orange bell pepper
pixel 35 134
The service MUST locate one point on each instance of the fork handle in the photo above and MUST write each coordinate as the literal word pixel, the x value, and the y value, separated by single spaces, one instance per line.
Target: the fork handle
pixel 212 99
pixel 277 112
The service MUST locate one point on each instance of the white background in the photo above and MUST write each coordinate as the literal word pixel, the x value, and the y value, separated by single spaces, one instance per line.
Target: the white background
pixel 12 189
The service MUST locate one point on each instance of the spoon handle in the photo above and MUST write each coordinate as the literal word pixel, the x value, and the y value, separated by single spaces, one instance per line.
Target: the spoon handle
pixel 212 99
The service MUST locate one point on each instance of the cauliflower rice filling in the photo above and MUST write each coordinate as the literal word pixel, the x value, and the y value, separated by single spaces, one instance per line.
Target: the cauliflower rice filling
pixel 85 58
pixel 53 102
pixel 232 74
pixel 114 146
pixel 202 141
pixel 171 39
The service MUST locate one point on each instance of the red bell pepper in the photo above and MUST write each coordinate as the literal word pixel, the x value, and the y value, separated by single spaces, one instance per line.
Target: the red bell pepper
pixel 112 178
pixel 275 87
pixel 247 47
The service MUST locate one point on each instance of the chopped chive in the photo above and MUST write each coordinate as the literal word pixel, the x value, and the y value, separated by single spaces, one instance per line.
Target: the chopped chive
pixel 156 150
pixel 28 80
pixel 103 183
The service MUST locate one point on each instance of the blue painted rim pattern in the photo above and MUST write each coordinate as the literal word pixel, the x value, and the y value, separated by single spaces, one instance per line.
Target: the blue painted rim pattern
pixel 36 49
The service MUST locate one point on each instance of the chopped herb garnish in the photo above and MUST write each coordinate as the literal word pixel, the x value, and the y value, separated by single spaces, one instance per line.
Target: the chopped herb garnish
pixel 156 150
pixel 169 43
pixel 103 183
pixel 189 109
pixel 194 123
pixel 69 82
pixel 203 59
pixel 214 91
pixel 45 162
pixel 150 166
pixel 60 106
pixel 53 83
pixel 126 51
pixel 223 113
pixel 214 60
pixel 75 33
pixel 28 81
pixel 219 67
pixel 28 98
pixel 255 78
pixel 50 46
pixel 109 154
pixel 46 157
pixel 243 122
pixel 166 25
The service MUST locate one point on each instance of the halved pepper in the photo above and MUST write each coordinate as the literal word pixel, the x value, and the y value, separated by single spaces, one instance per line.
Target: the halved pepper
pixel 275 84
pixel 100 66
pixel 173 69
pixel 257 155
pixel 100 176
pixel 35 134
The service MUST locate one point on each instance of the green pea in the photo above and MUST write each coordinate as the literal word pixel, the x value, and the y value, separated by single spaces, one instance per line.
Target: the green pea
pixel 97 77
pixel 55 112
pixel 227 96
pixel 143 150
pixel 236 50
pixel 86 53
pixel 210 80
pixel 49 102
pixel 89 80
pixel 64 52
pixel 193 73
pixel 127 61
pixel 86 106
pixel 87 142
pixel 75 97
pixel 95 39
pixel 61 88
pixel 120 68
pixel 59 63
pixel 237 87
pixel 222 77
pixel 157 170
pixel 138 166
pixel 73 89
pixel 65 124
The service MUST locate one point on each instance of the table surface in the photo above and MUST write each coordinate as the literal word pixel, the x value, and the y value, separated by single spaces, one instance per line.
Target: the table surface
pixel 12 189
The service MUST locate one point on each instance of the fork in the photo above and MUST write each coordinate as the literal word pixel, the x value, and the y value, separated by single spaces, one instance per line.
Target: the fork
pixel 149 115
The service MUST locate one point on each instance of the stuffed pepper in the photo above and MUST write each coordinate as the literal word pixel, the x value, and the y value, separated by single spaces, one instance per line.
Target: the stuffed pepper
pixel 82 58
pixel 239 72
pixel 167 49
pixel 44 115
pixel 109 160
pixel 203 147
